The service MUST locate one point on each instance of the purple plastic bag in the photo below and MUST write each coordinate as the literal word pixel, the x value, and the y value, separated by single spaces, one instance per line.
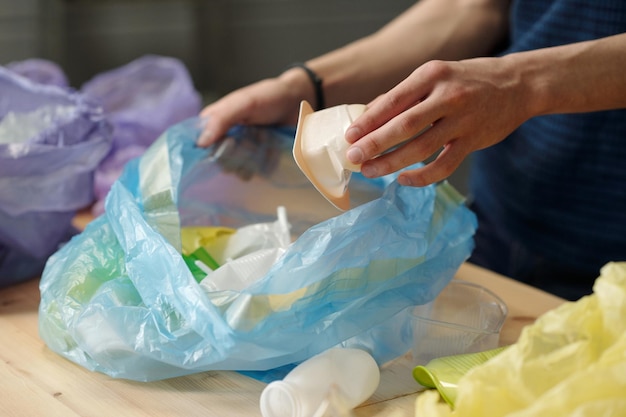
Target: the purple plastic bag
pixel 141 100
pixel 40 71
pixel 51 141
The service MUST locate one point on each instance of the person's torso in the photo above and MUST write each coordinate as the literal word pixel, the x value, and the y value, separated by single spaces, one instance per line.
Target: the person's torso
pixel 558 183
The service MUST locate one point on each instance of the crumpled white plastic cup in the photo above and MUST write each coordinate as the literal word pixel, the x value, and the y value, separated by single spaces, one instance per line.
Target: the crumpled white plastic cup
pixel 320 149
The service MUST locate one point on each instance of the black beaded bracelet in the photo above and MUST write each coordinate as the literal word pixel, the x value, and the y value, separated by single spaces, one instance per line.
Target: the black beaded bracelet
pixel 315 80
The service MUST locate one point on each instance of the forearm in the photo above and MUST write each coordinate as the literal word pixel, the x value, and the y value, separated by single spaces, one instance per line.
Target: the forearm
pixel 431 29
pixel 579 77
pixel 358 72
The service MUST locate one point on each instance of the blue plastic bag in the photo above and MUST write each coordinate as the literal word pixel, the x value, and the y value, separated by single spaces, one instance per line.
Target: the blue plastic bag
pixel 119 298
pixel 51 141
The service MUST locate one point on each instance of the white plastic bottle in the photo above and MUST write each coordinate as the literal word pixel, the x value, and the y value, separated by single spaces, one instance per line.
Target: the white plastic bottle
pixel 353 373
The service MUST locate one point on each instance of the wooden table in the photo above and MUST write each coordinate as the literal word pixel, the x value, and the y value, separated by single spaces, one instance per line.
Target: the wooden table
pixel 35 382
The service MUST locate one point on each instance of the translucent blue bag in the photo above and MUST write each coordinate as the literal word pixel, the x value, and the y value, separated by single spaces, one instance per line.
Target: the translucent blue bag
pixel 120 299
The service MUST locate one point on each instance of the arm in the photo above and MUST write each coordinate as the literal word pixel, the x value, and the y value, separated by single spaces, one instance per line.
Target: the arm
pixel 580 77
pixel 475 103
pixel 431 29
pixel 368 67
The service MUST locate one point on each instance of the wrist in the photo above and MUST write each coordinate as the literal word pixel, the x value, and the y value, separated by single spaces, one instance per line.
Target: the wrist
pixel 537 90
pixel 304 84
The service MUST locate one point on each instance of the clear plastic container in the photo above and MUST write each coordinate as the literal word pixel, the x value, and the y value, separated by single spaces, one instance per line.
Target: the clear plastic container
pixel 463 318
pixel 345 375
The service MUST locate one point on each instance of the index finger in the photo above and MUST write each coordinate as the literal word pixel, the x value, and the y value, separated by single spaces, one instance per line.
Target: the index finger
pixel 220 116
pixel 215 126
pixel 384 108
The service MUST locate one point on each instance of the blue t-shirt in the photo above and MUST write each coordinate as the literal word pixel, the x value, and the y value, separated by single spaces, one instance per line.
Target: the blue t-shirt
pixel 558 183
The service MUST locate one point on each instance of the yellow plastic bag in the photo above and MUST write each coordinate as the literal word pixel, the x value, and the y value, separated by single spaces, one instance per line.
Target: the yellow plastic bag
pixel 570 362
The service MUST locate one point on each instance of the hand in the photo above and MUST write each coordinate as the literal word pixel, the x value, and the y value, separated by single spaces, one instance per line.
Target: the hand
pixel 248 152
pixel 273 101
pixel 459 106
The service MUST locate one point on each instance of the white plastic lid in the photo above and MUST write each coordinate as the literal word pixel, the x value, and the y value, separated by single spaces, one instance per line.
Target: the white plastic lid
pixel 320 149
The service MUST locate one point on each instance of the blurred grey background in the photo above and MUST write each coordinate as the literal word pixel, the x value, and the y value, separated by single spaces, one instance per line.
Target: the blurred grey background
pixel 224 44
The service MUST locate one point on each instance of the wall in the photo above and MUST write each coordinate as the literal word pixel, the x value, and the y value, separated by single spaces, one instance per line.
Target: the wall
pixel 30 28
pixel 224 43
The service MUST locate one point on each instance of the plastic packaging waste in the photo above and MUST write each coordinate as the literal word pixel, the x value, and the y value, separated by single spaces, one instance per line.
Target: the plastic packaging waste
pixel 248 254
pixel 51 142
pixel 464 318
pixel 19 127
pixel 119 298
pixel 443 373
pixel 41 71
pixel 569 362
pixel 200 247
pixel 352 373
pixel 320 149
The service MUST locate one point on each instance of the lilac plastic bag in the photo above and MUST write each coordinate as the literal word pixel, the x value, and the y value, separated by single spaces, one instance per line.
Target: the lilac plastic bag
pixel 40 71
pixel 51 141
pixel 141 100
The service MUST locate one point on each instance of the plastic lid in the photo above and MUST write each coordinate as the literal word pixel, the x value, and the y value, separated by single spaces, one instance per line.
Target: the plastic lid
pixel 320 149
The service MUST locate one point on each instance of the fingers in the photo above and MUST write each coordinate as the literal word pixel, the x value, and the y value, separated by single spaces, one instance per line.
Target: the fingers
pixel 213 130
pixel 390 120
pixel 448 160
pixel 437 110
pixel 435 140
pixel 396 131
pixel 220 117
pixel 266 102
pixel 383 109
